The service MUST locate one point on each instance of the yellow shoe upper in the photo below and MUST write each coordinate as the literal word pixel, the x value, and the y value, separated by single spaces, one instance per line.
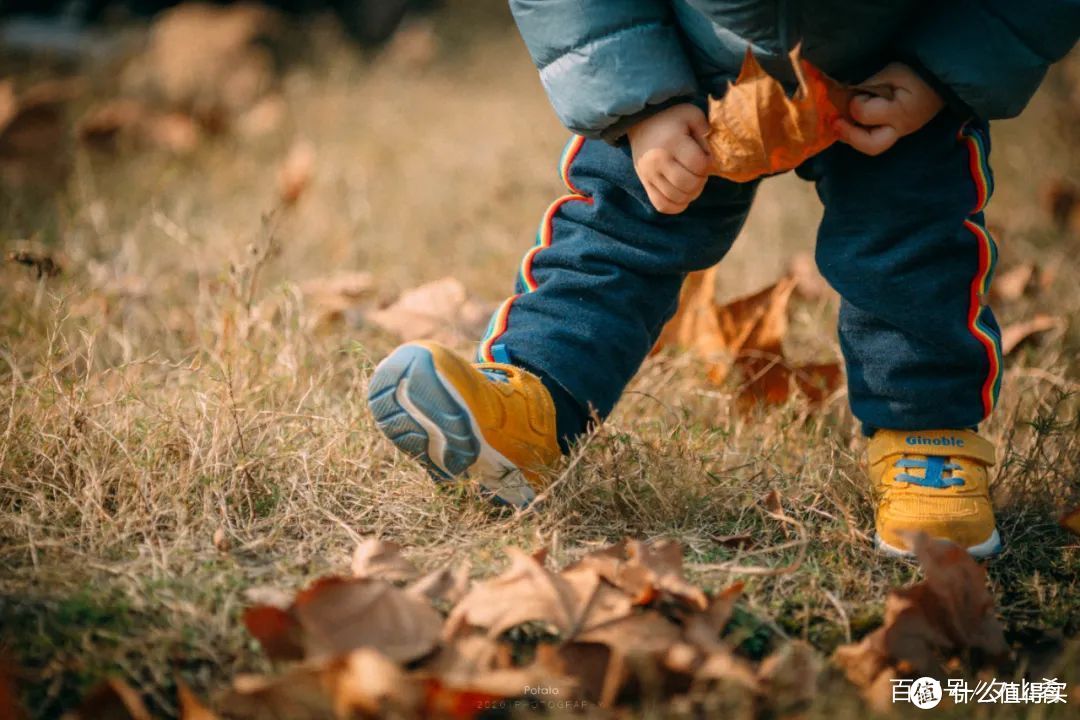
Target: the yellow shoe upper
pixel 934 481
pixel 514 413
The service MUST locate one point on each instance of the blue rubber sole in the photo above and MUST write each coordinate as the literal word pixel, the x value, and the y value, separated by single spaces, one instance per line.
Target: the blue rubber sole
pixel 410 403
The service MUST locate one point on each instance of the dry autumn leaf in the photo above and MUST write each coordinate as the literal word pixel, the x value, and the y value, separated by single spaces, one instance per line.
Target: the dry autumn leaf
pixel 629 624
pixel 789 677
pixel 474 670
pixel 745 334
pixel 1015 334
pixel 113 699
pixel 333 300
pixel 43 263
pixel 214 62
pixel 10 705
pixel 33 131
pixel 382 560
pixel 191 707
pixel 130 122
pixel 756 129
pixel 1071 521
pixel 336 615
pixel 645 572
pixel 1014 283
pixel 810 284
pixel 604 659
pixel 529 592
pixel 444 585
pixel 440 310
pixel 360 684
pixel 926 624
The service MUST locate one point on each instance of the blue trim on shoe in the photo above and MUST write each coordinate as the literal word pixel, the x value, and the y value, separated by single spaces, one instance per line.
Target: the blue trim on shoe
pixel 415 411
pixel 933 467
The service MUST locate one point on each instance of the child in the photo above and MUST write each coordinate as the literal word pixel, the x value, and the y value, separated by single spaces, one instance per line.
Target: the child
pixel 902 240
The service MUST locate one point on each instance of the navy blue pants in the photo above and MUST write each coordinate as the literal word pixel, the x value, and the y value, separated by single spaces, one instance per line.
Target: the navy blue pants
pixel 902 241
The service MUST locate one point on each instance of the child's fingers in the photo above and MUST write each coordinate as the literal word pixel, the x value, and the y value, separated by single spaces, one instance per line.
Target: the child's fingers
pixel 682 179
pixel 661 201
pixel 869 141
pixel 690 155
pixel 699 131
pixel 872 110
pixel 671 191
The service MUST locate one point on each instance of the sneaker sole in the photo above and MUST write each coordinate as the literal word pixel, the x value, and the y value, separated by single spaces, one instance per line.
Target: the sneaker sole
pixel 988 548
pixel 426 418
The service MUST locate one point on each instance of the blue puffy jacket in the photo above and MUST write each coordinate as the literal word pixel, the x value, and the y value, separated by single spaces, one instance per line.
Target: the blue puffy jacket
pixel 607 63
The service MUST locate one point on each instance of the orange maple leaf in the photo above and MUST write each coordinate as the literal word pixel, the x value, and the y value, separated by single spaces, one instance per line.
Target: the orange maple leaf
pixel 756 129
pixel 746 334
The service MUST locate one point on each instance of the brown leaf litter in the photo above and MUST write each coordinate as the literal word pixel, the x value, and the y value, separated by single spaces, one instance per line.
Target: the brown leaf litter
pixel 620 625
pixel 747 335
pixel 948 614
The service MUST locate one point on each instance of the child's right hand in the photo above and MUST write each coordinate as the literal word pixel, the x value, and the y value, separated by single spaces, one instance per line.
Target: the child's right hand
pixel 671 156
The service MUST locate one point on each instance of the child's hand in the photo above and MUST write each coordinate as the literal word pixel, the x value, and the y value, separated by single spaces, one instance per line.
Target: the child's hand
pixel 883 121
pixel 670 156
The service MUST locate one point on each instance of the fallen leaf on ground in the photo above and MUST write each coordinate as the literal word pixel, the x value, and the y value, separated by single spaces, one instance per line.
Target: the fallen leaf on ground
pixel 113 699
pixel 191 707
pixel 1014 283
pixel 444 585
pixel 264 117
pixel 372 684
pixel 1071 521
pixel 10 705
pixel 295 172
pixel 440 310
pixel 629 627
pixel 605 658
pixel 1059 198
pixel 381 559
pixel 33 133
pixel 789 677
pixel 646 572
pixel 414 45
pixel 1015 334
pixel 745 334
pixel 40 261
pixel 331 301
pixel 336 615
pixel 756 129
pixel 214 62
pixel 362 683
pixel 277 630
pixel 947 614
pixel 528 592
pixel 130 122
pixel 474 670
pixel 810 284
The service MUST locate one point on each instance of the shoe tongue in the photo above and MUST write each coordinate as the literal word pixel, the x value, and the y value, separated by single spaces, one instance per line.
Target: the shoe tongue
pixel 495 374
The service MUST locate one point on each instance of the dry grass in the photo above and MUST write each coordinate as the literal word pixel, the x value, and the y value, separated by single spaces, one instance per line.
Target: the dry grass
pixel 147 397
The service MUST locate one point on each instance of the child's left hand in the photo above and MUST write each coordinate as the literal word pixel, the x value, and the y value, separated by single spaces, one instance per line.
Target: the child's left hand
pixel 883 121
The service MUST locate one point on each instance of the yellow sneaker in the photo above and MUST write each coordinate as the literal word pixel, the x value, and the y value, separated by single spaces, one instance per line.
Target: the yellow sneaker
pixel 491 422
pixel 934 481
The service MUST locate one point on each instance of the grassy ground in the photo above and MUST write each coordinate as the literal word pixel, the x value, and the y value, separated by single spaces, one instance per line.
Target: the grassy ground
pixel 147 399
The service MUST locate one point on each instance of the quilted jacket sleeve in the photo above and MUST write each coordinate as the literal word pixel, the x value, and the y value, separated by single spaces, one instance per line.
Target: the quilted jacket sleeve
pixel 603 62
pixel 992 54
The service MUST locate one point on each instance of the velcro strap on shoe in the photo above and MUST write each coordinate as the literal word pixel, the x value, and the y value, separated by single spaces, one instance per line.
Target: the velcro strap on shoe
pixel 939 443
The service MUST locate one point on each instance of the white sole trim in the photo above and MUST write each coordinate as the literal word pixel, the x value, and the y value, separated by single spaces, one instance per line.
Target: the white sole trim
pixel 988 548
pixel 436 439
